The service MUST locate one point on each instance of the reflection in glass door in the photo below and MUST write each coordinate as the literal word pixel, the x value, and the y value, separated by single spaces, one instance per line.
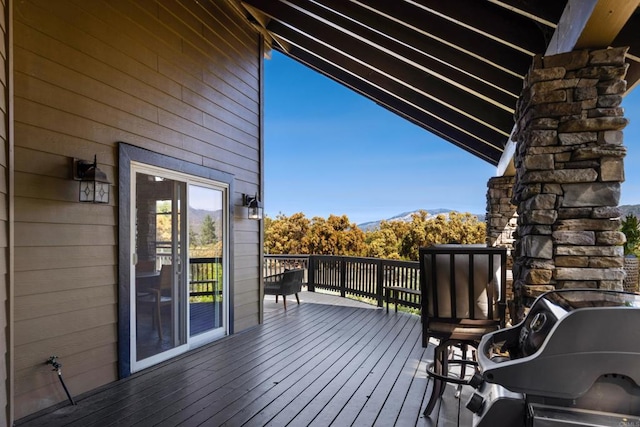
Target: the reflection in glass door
pixel 179 286
pixel 206 249
pixel 160 321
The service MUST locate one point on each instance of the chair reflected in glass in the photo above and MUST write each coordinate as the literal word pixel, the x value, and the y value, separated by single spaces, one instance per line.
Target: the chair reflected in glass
pixel 463 297
pixel 157 296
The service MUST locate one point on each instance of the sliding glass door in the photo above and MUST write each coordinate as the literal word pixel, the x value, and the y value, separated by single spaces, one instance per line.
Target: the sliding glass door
pixel 179 289
pixel 206 256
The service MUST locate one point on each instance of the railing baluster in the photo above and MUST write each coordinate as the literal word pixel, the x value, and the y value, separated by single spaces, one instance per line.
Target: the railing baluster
pixel 352 276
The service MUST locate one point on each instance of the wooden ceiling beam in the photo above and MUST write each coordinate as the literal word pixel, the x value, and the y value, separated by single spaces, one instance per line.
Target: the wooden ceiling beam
pixel 308 27
pixel 459 38
pixel 454 58
pixel 546 12
pixel 415 58
pixel 493 22
pixel 630 36
pixel 605 23
pixel 590 24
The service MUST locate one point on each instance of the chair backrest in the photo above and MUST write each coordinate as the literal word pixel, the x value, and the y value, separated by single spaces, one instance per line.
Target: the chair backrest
pixel 463 282
pixel 293 276
pixel 166 273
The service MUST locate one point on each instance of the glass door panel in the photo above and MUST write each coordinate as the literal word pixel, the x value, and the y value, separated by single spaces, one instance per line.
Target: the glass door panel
pixel 206 255
pixel 179 290
pixel 160 290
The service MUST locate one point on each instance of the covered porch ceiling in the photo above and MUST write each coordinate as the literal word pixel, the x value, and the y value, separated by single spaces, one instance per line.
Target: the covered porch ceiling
pixel 455 68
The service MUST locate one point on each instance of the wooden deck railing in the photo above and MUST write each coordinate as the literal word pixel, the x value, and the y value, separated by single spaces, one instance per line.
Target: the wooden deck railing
pixel 352 276
pixel 205 276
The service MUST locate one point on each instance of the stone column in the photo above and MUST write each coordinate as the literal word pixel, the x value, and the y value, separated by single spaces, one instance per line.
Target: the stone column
pixel 569 166
pixel 501 220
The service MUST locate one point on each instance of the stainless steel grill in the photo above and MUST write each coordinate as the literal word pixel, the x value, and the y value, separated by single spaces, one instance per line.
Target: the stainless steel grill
pixel 574 360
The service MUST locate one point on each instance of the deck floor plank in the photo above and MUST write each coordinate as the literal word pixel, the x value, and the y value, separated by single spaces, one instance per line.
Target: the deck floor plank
pixel 131 391
pixel 306 389
pixel 166 390
pixel 298 364
pixel 327 361
pixel 248 373
pixel 321 392
pixel 354 392
pixel 363 409
pixel 395 389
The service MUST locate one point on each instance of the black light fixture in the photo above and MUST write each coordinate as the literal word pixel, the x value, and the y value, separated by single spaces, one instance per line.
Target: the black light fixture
pixel 254 210
pixel 94 184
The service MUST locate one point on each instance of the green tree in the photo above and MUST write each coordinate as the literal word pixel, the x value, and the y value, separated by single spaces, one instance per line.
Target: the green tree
pixel 194 238
pixel 631 230
pixel 391 240
pixel 286 235
pixel 335 236
pixel 460 228
pixel 382 243
pixel 208 234
pixel 163 221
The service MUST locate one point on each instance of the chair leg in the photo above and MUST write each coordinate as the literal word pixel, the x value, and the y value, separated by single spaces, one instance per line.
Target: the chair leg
pixel 297 299
pixel 276 299
pixel 284 301
pixel 159 320
pixel 463 369
pixel 439 367
pixel 386 297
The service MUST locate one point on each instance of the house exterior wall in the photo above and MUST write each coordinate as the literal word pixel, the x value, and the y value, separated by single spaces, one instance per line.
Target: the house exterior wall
pixel 5 214
pixel 177 78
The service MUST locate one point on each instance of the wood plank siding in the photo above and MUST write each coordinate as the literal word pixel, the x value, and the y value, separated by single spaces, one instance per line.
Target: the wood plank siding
pixel 179 78
pixel 6 213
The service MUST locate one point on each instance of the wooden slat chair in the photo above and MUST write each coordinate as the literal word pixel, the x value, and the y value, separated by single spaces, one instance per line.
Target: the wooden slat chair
pixel 463 297
pixel 287 283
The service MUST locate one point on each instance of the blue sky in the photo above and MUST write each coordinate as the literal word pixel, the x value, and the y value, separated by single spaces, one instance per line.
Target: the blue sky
pixel 329 150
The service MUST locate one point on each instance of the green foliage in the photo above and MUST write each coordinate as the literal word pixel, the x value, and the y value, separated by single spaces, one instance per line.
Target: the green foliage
pixel 335 235
pixel 286 235
pixel 208 231
pixel 391 240
pixel 631 230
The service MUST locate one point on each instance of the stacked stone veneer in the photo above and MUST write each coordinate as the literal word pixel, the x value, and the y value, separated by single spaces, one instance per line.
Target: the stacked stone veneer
pixel 569 166
pixel 501 217
pixel 502 220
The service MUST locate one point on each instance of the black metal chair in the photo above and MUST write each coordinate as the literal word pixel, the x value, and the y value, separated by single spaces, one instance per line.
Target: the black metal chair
pixel 287 283
pixel 463 297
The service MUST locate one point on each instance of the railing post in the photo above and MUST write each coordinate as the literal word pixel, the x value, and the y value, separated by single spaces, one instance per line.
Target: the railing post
pixel 380 282
pixel 311 273
pixel 343 276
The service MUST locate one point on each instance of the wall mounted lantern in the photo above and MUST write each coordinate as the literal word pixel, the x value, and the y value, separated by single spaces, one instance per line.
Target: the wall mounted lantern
pixel 94 185
pixel 254 210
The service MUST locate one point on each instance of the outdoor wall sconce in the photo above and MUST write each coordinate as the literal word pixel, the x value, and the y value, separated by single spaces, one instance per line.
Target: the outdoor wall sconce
pixel 94 185
pixel 254 210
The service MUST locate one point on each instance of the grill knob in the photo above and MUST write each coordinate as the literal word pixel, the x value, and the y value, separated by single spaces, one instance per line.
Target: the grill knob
pixel 475 403
pixel 476 380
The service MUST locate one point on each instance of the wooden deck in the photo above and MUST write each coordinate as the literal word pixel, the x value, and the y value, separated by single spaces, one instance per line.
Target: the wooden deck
pixel 328 361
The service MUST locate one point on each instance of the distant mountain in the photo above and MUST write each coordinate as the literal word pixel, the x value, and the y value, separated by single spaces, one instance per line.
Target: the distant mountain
pixel 630 209
pixel 196 218
pixel 406 216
